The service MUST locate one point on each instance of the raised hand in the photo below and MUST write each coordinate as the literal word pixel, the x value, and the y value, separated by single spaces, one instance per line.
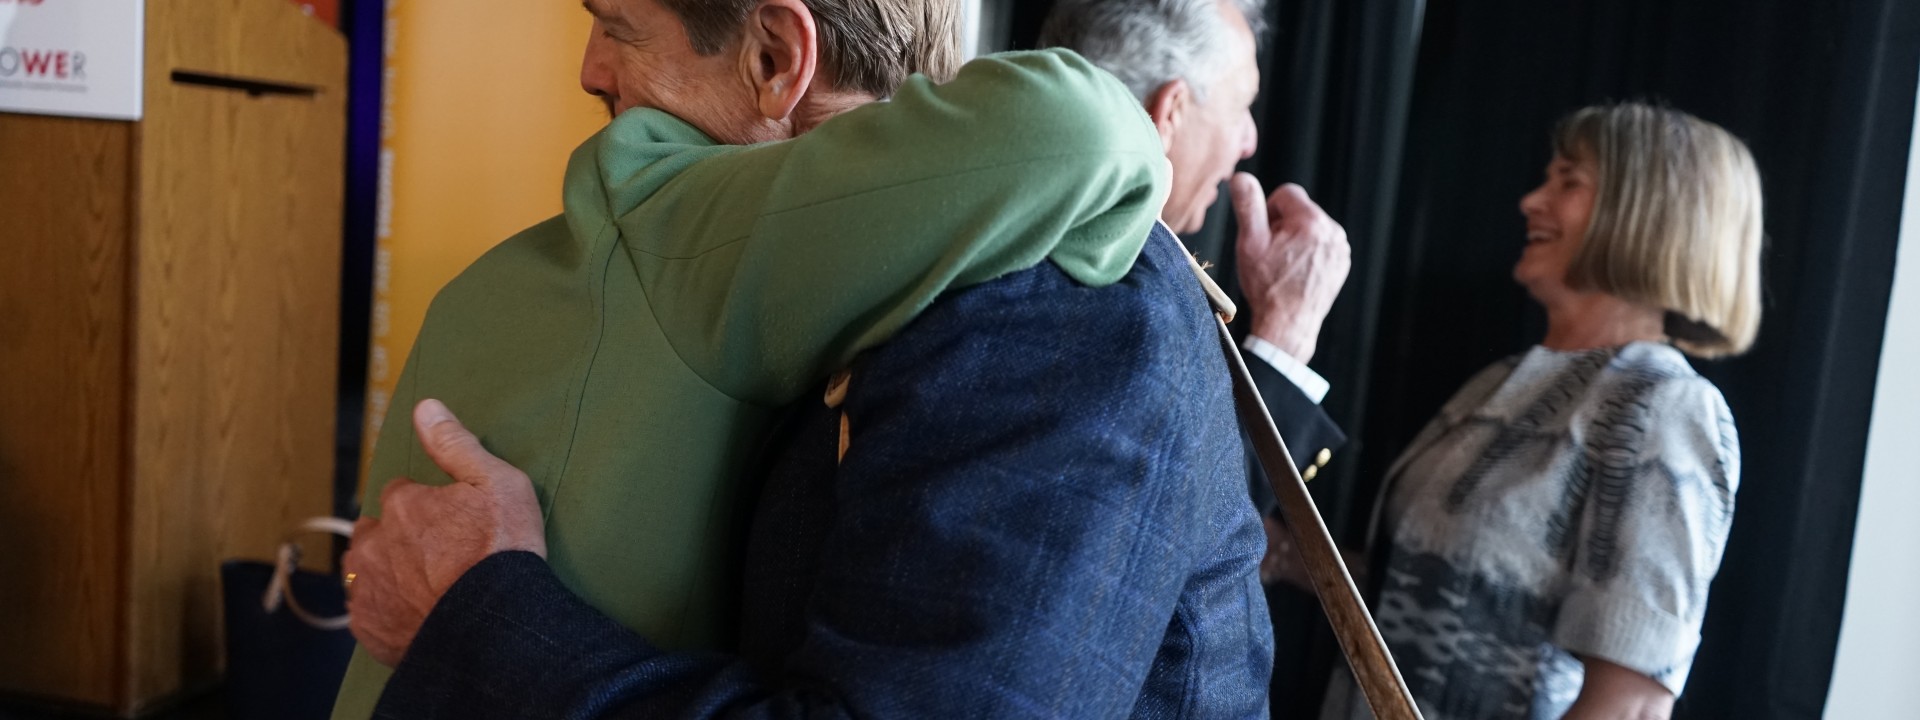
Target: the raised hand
pixel 1293 259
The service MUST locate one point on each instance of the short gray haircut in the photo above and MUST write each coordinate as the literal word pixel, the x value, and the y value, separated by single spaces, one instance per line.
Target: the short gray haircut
pixel 867 45
pixel 1149 43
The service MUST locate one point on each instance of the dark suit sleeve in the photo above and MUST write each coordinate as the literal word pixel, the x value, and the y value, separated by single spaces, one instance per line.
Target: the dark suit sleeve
pixel 508 640
pixel 1303 425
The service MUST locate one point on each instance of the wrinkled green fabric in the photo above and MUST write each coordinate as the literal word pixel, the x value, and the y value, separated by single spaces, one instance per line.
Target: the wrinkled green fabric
pixel 631 354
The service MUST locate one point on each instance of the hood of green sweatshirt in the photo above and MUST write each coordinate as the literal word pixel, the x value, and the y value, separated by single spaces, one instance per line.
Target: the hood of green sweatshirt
pixel 627 162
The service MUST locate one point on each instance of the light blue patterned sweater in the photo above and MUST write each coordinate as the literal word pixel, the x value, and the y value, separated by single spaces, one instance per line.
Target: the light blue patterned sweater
pixel 1562 504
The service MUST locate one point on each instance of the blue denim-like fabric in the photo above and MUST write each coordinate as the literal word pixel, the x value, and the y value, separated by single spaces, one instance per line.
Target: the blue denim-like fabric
pixel 1042 513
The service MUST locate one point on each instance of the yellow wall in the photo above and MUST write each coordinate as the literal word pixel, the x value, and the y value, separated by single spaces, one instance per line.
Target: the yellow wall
pixel 483 105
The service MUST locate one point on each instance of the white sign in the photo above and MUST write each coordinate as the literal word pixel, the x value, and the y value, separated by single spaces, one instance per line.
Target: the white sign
pixel 72 57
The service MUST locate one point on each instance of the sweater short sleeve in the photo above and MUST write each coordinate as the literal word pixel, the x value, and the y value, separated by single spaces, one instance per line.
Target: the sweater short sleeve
pixel 1662 460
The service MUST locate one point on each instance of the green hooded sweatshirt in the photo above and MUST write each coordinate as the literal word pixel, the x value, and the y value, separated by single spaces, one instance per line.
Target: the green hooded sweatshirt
pixel 631 355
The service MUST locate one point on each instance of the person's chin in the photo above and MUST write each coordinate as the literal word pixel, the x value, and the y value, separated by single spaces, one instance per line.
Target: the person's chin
pixel 1523 274
pixel 1197 217
pixel 1539 282
pixel 1530 265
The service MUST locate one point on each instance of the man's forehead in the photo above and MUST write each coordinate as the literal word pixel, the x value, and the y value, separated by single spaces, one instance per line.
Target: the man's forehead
pixel 603 10
pixel 1244 69
pixel 1248 80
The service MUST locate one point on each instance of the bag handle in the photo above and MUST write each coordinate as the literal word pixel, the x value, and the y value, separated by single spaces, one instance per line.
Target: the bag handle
pixel 1373 667
pixel 288 560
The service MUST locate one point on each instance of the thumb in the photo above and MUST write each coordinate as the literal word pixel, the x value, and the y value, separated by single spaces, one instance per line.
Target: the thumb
pixel 458 453
pixel 1249 209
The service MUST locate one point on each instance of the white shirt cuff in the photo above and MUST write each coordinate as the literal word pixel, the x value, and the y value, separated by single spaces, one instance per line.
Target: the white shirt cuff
pixel 1303 377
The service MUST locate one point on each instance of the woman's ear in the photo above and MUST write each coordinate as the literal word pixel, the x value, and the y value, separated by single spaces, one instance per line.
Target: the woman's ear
pixel 779 55
pixel 1168 106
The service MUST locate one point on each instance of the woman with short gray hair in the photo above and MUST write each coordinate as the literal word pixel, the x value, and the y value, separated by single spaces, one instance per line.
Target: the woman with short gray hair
pixel 1544 547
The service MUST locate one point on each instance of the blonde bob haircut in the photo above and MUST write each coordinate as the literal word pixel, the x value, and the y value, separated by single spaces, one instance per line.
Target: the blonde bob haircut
pixel 1676 221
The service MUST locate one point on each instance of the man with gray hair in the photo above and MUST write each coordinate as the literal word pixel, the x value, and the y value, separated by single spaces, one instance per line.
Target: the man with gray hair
pixel 1192 64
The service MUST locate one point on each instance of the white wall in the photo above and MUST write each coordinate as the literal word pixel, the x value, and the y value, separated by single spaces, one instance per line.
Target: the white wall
pixel 992 23
pixel 1877 672
pixel 970 29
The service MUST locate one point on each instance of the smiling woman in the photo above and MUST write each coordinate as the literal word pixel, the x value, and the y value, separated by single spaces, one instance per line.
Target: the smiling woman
pixel 1545 546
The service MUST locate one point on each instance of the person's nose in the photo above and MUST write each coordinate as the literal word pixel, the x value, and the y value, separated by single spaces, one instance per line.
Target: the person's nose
pixel 1249 136
pixel 1533 203
pixel 596 68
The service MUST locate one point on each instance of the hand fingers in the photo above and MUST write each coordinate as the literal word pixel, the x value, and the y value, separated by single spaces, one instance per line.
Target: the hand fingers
pixel 353 562
pixel 1245 192
pixel 365 527
pixel 453 448
pixel 366 598
pixel 364 601
pixel 365 530
pixel 349 563
pixel 1297 218
pixel 1291 202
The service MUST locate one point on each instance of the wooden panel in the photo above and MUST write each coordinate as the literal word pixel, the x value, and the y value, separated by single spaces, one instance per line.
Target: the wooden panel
pixel 263 39
pixel 236 286
pixel 64 187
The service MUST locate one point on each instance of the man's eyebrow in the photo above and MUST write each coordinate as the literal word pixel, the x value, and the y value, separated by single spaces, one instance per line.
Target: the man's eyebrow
pixel 591 10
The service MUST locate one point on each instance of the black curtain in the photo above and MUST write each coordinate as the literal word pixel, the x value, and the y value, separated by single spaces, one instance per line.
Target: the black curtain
pixel 1419 125
pixel 1824 95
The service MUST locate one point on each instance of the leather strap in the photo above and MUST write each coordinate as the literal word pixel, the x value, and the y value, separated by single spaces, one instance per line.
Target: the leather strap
pixel 1360 640
pixel 280 588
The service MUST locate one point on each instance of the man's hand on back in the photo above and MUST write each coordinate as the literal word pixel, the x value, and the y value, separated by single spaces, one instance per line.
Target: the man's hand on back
pixel 1293 259
pixel 427 537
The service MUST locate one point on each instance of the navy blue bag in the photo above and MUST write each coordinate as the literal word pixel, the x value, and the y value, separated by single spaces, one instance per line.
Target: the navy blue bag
pixel 287 639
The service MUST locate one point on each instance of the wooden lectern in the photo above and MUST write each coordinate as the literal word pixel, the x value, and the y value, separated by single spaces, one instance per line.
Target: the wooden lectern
pixel 169 311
